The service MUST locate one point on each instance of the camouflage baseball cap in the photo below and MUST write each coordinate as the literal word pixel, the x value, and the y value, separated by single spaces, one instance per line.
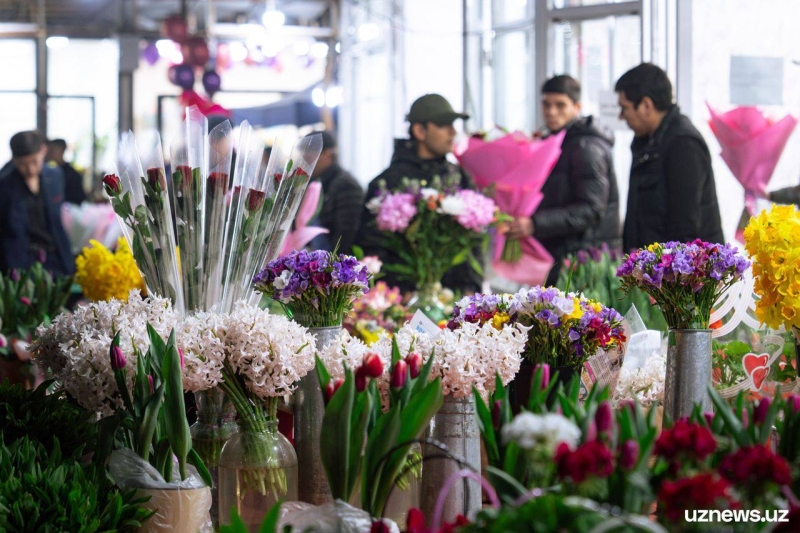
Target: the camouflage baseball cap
pixel 433 108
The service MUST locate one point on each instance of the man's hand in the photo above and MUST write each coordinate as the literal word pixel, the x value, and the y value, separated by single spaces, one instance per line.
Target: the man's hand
pixel 519 227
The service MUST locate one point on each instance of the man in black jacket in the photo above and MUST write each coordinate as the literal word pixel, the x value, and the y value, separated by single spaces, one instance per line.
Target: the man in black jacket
pixel 342 199
pixel 420 157
pixel 73 180
pixel 672 194
pixel 580 208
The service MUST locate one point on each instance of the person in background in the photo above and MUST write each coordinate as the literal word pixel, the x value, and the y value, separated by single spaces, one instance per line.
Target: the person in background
pixel 672 194
pixel 580 208
pixel 421 156
pixel 788 195
pixel 30 210
pixel 342 198
pixel 73 180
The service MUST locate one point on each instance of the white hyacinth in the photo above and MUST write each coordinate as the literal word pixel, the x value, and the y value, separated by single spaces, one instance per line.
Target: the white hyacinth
pixel 201 337
pixel 646 384
pixel 75 347
pixel 545 432
pixel 350 351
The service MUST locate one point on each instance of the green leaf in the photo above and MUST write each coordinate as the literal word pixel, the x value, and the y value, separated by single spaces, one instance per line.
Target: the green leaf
pixel 237 525
pixel 483 415
pixel 475 264
pixel 147 426
pixel 270 523
pixel 362 410
pixel 194 459
pixel 177 426
pixel 322 373
pixel 336 434
pixel 395 352
pixel 381 439
pixel 358 252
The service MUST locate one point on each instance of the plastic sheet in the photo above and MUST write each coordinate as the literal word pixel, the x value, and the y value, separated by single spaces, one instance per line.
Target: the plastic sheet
pixel 334 517
pixel 181 506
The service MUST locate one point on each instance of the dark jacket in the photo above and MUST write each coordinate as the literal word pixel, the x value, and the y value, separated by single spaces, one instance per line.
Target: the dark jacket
pixel 73 185
pixel 342 200
pixel 788 195
pixel 672 195
pixel 15 249
pixel 580 208
pixel 406 164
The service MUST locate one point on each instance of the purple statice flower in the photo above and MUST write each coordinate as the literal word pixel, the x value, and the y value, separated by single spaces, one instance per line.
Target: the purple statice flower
pixel 478 212
pixel 396 212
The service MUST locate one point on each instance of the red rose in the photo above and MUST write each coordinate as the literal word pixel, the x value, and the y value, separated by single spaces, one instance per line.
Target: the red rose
pixel 113 184
pixel 255 199
pixel 217 181
pixel 589 459
pixel 186 172
pixel 703 491
pixel 755 466
pixel 156 179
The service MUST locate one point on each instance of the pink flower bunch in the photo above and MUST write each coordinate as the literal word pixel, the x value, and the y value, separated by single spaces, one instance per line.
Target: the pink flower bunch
pixel 479 211
pixel 396 212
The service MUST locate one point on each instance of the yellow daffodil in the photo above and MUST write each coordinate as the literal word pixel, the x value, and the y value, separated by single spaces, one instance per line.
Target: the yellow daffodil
pixel 104 275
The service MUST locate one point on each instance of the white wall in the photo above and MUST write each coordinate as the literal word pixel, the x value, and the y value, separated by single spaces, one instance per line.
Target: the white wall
pixel 722 28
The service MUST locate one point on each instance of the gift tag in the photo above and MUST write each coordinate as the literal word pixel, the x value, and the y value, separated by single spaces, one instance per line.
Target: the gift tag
pixel 423 324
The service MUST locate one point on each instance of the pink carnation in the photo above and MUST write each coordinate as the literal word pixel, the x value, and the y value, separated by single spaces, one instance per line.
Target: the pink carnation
pixel 396 212
pixel 478 211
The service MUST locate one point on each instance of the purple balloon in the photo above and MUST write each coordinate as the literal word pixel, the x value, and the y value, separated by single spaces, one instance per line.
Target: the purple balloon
pixel 211 82
pixel 182 76
pixel 150 54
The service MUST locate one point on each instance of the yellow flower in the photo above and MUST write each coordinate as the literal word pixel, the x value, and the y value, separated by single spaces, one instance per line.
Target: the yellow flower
pixel 577 311
pixel 104 275
pixel 499 319
pixel 653 247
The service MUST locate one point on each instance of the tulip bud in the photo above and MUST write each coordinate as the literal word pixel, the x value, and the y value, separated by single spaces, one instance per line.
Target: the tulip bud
pixel 379 527
pixel 604 418
pixel 118 360
pixel 709 418
pixel 3 341
pixel 255 199
pixel 15 274
pixel 793 401
pixel 745 419
pixel 337 384
pixel 41 256
pixel 760 412
pixel 629 454
pixel 496 408
pixel 156 179
pixel 328 391
pixel 373 365
pixel 112 183
pixel 415 521
pixel 180 354
pixel 399 374
pixel 152 385
pixel 414 360
pixel 25 300
pixel 591 434
pixel 545 375
pixel 361 378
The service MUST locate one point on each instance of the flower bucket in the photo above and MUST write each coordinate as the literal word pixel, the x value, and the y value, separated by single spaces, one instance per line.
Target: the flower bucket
pixel 177 510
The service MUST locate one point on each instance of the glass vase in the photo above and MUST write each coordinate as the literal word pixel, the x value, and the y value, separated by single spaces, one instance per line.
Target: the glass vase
pixel 216 422
pixel 427 299
pixel 257 468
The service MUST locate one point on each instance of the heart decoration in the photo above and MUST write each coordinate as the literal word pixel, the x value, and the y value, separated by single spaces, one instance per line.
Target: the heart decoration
pixel 756 367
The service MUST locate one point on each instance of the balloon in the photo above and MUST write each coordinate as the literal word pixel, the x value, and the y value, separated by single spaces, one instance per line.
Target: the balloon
pixel 181 75
pixel 195 52
pixel 150 54
pixel 175 28
pixel 211 82
pixel 223 57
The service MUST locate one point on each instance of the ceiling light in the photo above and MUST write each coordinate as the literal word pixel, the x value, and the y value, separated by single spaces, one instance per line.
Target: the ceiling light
pixel 57 42
pixel 318 96
pixel 273 19
pixel 368 31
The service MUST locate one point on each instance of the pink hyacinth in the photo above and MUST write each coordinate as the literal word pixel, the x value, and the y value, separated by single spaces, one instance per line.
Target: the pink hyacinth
pixel 396 212
pixel 478 211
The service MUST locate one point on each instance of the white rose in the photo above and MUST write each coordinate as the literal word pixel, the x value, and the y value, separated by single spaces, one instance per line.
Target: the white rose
pixel 451 205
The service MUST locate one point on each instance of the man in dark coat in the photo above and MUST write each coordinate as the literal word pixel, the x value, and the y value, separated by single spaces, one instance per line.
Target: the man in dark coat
pixel 420 157
pixel 580 208
pixel 672 194
pixel 73 180
pixel 342 199
pixel 30 210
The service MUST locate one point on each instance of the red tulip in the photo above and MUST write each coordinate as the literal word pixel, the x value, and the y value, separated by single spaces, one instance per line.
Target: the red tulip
pixel 373 365
pixel 545 375
pixel 150 381
pixel 793 401
pixel 604 418
pixel 399 374
pixel 379 527
pixel 118 360
pixel 760 412
pixel 414 360
pixel 629 454
pixel 25 300
pixel 415 521
pixel 361 378
pixel 112 183
pixel 180 354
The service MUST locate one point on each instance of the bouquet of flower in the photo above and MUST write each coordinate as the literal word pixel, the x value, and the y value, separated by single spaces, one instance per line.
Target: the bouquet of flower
pixel 773 241
pixel 103 274
pixel 76 346
pixel 317 287
pixel 593 273
pixel 432 226
pixel 28 298
pixel 379 311
pixel 362 439
pixel 684 279
pixel 255 357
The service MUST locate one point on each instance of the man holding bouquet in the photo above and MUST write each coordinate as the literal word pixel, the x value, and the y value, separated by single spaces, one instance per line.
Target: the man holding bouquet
pixel 422 157
pixel 580 208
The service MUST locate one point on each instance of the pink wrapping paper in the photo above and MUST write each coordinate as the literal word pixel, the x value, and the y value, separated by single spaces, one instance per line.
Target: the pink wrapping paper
pixel 518 167
pixel 304 234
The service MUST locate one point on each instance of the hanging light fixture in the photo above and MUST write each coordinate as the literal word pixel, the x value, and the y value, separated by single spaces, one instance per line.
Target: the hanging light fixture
pixel 272 18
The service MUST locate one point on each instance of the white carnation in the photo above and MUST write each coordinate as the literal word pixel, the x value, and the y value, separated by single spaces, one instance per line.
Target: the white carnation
pixel 452 205
pixel 546 431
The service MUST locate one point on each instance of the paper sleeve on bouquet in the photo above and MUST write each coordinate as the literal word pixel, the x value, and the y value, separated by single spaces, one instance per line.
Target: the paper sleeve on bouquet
pixel 517 167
